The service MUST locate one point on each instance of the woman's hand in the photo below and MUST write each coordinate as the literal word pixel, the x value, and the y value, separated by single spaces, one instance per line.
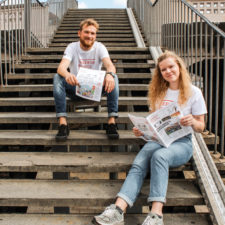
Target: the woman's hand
pixel 187 120
pixel 137 132
pixel 196 122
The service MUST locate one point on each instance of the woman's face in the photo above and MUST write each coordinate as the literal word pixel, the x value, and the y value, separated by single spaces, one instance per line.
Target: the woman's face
pixel 170 72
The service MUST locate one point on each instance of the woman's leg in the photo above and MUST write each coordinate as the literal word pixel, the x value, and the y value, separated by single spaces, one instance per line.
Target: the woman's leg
pixel 177 154
pixel 140 167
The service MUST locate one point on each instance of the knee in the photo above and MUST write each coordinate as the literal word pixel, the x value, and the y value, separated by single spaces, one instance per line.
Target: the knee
pixel 159 158
pixel 56 79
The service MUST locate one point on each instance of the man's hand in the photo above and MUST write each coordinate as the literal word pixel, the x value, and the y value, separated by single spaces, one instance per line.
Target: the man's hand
pixel 71 79
pixel 137 132
pixel 109 83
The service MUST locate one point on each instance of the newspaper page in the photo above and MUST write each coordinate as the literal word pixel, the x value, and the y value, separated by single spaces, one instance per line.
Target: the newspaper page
pixel 142 124
pixel 91 82
pixel 166 122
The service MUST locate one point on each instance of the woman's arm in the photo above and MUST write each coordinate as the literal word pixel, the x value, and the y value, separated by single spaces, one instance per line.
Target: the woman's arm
pixel 137 132
pixel 197 122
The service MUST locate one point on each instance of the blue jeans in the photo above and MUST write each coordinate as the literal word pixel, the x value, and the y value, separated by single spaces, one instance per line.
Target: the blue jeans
pixel 158 160
pixel 62 89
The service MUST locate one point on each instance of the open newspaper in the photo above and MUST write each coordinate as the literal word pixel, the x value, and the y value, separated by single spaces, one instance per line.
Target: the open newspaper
pixel 162 126
pixel 91 82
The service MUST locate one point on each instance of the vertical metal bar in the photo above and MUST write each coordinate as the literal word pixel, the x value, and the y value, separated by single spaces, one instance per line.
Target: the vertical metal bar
pixel 196 49
pixel 211 81
pixel 1 70
pixel 185 32
pixel 5 42
pixel 188 37
pixel 222 144
pixel 217 90
pixel 9 40
pixel 27 23
pixel 206 65
pixel 200 51
pixel 13 36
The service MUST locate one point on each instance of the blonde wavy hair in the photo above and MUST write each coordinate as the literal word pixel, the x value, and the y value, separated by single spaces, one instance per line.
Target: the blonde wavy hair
pixel 158 85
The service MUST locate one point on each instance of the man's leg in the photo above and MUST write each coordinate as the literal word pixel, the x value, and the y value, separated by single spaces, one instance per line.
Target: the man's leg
pixel 112 103
pixel 60 90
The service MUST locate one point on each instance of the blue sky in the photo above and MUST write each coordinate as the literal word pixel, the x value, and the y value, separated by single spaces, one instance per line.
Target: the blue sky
pixel 102 3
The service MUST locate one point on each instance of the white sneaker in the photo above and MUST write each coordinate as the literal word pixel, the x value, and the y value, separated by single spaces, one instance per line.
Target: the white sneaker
pixel 153 219
pixel 111 216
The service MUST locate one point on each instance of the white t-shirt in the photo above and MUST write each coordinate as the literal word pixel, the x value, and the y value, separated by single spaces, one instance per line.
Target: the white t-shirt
pixel 195 104
pixel 91 59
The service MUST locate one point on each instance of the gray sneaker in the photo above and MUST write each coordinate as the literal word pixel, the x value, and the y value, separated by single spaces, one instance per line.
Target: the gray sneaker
pixel 153 219
pixel 111 216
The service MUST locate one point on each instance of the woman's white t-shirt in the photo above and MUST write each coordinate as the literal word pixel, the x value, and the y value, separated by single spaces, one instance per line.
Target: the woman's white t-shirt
pixel 195 104
pixel 91 59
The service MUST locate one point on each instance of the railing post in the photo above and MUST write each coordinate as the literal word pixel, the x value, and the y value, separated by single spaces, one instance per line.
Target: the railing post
pixel 27 23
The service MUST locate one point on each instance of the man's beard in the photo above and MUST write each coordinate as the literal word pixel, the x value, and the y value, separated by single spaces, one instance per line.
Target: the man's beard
pixel 85 45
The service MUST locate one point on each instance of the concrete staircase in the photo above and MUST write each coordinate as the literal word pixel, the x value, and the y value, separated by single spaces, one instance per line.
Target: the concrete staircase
pixel 41 178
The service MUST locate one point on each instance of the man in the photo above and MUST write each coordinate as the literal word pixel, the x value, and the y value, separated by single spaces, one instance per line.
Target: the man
pixel 91 54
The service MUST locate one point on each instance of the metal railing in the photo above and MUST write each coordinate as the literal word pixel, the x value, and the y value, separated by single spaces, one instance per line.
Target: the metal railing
pixel 177 26
pixel 25 24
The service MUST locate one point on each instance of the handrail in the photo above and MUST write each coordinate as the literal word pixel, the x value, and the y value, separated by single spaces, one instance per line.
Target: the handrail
pixel 206 20
pixel 179 27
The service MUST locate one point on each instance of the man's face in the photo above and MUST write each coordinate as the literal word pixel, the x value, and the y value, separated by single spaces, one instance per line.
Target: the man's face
pixel 87 36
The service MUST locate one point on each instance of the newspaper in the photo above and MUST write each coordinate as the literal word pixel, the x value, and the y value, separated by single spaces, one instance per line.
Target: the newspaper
pixel 90 84
pixel 162 126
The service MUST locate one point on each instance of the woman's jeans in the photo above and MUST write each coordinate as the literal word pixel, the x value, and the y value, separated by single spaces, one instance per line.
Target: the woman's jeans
pixel 158 160
pixel 62 89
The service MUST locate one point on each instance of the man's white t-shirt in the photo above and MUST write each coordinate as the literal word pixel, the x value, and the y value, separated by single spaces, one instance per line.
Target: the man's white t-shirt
pixel 195 104
pixel 91 59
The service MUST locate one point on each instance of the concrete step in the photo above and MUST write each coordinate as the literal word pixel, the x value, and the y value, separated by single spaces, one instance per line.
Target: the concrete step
pixel 59 57
pixel 108 39
pixel 49 101
pixel 100 32
pixel 49 87
pixel 60 50
pixel 76 138
pixel 95 193
pixel 76 162
pixel 50 76
pixel 81 219
pixel 101 25
pixel 74 35
pixel 107 44
pixel 73 118
pixel 55 65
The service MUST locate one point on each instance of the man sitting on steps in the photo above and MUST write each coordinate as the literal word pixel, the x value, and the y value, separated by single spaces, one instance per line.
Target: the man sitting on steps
pixel 90 54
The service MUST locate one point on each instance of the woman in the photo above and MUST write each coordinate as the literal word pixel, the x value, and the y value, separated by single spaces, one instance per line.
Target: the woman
pixel 170 83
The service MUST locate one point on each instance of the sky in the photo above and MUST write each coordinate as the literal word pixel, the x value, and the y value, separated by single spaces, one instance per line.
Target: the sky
pixel 102 4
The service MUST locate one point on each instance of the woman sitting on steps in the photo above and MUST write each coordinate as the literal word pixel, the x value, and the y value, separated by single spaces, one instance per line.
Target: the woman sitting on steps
pixel 170 83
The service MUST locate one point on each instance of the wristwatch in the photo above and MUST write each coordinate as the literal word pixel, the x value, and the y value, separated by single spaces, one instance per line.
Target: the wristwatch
pixel 112 74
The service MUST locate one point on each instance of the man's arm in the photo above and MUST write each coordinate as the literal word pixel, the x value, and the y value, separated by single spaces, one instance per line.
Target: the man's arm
pixel 62 71
pixel 109 80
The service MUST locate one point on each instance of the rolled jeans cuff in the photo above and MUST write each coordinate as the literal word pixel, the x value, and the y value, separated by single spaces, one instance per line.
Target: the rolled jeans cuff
pixel 125 198
pixel 157 199
pixel 113 114
pixel 61 115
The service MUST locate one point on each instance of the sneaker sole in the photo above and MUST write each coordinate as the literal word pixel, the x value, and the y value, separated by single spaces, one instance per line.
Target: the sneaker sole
pixel 113 136
pixel 61 139
pixel 96 223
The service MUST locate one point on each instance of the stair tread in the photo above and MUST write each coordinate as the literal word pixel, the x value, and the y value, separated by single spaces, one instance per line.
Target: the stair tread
pixel 84 162
pixel 76 117
pixel 50 75
pixel 76 137
pixel 49 87
pixel 21 192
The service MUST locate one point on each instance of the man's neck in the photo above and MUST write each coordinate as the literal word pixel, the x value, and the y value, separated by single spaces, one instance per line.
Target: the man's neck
pixel 85 48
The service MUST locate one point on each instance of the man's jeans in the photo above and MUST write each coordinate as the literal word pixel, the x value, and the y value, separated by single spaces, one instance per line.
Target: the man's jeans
pixel 158 160
pixel 62 89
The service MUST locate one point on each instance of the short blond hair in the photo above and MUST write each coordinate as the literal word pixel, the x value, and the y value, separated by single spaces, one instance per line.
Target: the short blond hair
pixel 89 22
